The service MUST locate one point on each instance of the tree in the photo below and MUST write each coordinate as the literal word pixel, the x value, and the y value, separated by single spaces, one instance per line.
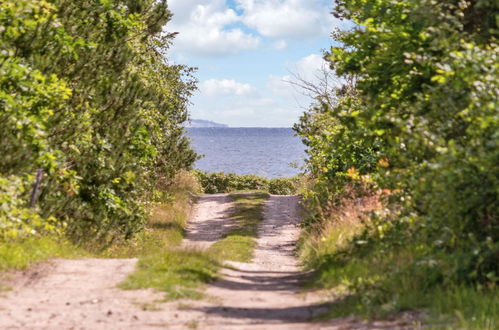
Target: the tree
pixel 89 96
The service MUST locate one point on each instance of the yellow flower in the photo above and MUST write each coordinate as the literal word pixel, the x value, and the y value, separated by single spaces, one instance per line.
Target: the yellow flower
pixel 366 178
pixel 352 173
pixel 383 162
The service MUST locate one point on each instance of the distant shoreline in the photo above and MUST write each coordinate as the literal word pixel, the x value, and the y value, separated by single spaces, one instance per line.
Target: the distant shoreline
pixel 243 127
pixel 202 123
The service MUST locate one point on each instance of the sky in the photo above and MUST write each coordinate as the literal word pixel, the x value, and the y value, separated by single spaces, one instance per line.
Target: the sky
pixel 246 52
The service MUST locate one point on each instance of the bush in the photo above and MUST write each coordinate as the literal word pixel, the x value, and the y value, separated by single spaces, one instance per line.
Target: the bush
pixel 19 221
pixel 283 186
pixel 416 121
pixel 220 182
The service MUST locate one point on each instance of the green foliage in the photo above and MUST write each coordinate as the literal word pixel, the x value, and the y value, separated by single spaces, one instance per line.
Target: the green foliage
pixel 384 282
pixel 220 182
pixel 87 95
pixel 162 265
pixel 19 221
pixel 238 244
pixel 164 231
pixel 416 119
pixel 283 186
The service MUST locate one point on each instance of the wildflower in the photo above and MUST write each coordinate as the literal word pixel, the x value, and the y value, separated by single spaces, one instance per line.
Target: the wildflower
pixel 383 162
pixel 352 173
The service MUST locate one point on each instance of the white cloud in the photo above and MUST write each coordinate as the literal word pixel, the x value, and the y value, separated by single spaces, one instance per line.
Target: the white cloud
pixel 309 68
pixel 237 104
pixel 287 18
pixel 205 29
pixel 248 111
pixel 278 103
pixel 281 85
pixel 280 44
pixel 225 87
pixel 308 75
pixel 215 28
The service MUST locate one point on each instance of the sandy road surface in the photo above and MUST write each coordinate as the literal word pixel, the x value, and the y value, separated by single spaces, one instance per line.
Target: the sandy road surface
pixel 264 294
pixel 72 294
pixel 209 220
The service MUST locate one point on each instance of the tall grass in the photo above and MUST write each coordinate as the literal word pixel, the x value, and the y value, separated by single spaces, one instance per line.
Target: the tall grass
pixel 371 281
pixel 166 223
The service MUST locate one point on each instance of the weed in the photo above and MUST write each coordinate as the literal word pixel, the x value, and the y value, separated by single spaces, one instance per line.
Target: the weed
pixel 192 324
pixel 148 306
pixel 162 264
pixel 184 305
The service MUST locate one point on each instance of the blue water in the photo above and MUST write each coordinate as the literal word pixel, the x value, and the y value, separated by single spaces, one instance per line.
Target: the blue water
pixel 266 152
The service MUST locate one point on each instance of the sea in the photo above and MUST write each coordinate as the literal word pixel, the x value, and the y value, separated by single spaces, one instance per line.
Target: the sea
pixel 266 152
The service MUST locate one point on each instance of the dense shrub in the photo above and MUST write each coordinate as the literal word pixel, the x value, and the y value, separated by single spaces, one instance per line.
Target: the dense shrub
pixel 88 96
pixel 283 186
pixel 220 182
pixel 417 119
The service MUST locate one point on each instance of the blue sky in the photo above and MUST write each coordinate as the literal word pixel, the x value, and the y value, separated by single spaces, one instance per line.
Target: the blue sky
pixel 246 52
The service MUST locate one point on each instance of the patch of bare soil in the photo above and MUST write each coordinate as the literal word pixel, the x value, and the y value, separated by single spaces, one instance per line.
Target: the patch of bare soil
pixel 72 294
pixel 264 294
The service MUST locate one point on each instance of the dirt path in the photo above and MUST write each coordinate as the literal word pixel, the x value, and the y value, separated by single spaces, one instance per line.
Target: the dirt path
pixel 209 220
pixel 264 294
pixel 72 294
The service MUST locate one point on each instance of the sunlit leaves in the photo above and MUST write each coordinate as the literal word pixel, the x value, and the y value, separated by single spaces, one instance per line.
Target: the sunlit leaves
pixel 87 95
pixel 423 122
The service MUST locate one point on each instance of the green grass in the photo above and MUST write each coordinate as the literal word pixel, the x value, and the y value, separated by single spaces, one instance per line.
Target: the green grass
pixel 462 307
pixel 21 254
pixel 177 272
pixel 372 276
pixel 162 264
pixel 238 244
pixel 381 284
pixel 458 307
pixel 165 230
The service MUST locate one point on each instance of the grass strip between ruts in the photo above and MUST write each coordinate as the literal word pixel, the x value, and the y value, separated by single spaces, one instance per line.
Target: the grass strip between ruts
pixel 238 244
